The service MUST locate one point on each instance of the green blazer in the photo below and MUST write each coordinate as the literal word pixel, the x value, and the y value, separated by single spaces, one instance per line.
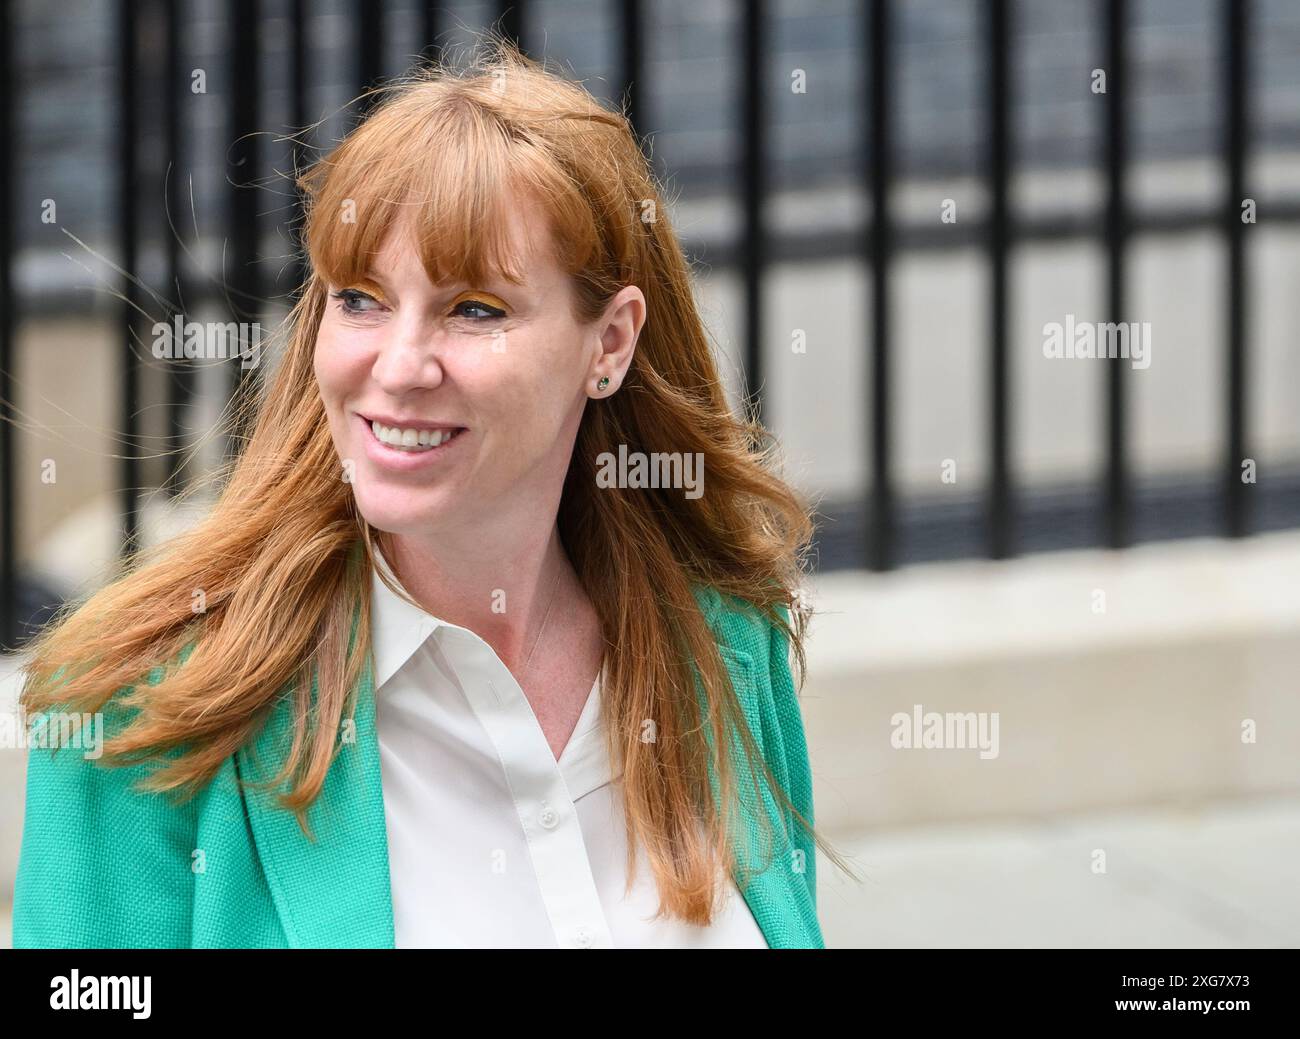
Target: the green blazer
pixel 105 866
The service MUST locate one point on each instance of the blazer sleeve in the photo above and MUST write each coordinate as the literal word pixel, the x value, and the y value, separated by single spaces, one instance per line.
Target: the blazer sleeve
pixel 789 715
pixel 102 865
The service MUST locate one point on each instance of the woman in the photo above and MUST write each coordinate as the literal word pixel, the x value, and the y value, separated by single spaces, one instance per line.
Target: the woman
pixel 426 674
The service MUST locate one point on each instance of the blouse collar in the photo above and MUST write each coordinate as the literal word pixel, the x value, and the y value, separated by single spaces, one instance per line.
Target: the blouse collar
pixel 398 628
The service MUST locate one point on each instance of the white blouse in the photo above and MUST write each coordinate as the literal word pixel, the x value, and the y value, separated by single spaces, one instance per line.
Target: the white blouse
pixel 492 842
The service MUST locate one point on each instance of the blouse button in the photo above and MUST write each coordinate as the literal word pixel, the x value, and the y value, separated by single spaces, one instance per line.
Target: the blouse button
pixel 549 818
pixel 582 938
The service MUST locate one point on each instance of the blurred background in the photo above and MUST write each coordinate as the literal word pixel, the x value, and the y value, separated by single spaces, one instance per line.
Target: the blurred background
pixel 887 205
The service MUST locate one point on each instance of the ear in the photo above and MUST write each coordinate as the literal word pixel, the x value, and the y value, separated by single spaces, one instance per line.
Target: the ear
pixel 617 331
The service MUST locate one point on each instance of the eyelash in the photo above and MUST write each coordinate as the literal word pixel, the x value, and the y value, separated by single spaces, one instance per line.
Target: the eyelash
pixel 346 296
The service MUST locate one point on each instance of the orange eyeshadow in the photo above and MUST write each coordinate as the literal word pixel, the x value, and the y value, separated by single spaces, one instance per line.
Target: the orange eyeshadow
pixel 482 297
pixel 371 288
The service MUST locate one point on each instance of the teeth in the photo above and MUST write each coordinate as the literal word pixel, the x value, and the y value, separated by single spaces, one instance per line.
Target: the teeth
pixel 411 439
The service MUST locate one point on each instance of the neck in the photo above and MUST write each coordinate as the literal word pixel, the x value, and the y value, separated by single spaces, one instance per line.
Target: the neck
pixel 501 592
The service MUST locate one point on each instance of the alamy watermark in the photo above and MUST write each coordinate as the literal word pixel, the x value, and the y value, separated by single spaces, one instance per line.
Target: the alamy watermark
pixel 208 340
pixel 49 729
pixel 952 730
pixel 75 991
pixel 658 469
pixel 1130 341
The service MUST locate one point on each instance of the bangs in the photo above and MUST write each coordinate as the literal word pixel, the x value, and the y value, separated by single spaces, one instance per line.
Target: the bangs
pixel 448 173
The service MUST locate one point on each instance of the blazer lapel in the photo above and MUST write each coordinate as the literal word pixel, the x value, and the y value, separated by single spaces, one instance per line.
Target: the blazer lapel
pixel 768 893
pixel 334 892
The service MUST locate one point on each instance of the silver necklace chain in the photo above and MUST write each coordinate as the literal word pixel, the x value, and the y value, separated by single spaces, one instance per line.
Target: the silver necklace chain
pixel 538 641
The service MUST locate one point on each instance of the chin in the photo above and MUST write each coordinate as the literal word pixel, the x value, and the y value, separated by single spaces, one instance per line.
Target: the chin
pixel 394 512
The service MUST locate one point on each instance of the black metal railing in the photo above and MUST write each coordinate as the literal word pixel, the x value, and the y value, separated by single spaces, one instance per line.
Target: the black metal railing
pixel 873 534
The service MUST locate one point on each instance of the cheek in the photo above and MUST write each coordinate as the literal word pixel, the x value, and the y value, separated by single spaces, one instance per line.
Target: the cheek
pixel 533 380
pixel 335 377
pixel 324 363
pixel 337 371
pixel 493 377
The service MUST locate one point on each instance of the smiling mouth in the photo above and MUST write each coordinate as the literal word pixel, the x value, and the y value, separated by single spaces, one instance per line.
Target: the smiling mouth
pixel 413 441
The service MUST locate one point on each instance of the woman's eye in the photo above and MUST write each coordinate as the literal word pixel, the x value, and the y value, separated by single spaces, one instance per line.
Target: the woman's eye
pixel 354 301
pixel 467 308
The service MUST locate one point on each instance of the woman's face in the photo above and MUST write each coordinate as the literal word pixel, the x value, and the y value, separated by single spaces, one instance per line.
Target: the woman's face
pixel 454 407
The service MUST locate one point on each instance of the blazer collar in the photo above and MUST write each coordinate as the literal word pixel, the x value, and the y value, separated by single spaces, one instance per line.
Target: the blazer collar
pixel 335 891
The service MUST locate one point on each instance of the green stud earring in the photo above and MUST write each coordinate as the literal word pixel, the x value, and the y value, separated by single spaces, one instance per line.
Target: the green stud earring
pixel 604 382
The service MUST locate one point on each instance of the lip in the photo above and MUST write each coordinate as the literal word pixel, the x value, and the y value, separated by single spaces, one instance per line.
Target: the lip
pixel 396 460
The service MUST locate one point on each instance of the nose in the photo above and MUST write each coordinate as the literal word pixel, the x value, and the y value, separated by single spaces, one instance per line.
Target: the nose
pixel 409 356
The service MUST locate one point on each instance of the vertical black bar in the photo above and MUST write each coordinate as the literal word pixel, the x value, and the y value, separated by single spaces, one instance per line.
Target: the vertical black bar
pixel 632 65
pixel 128 174
pixel 1117 230
pixel 880 540
pixel 244 162
pixel 298 43
pixel 180 390
pixel 298 117
pixel 753 190
pixel 1000 517
pixel 368 17
pixel 429 32
pixel 1236 35
pixel 8 476
pixel 510 20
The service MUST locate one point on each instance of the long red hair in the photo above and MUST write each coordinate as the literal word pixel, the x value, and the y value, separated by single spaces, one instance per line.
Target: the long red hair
pixel 282 560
